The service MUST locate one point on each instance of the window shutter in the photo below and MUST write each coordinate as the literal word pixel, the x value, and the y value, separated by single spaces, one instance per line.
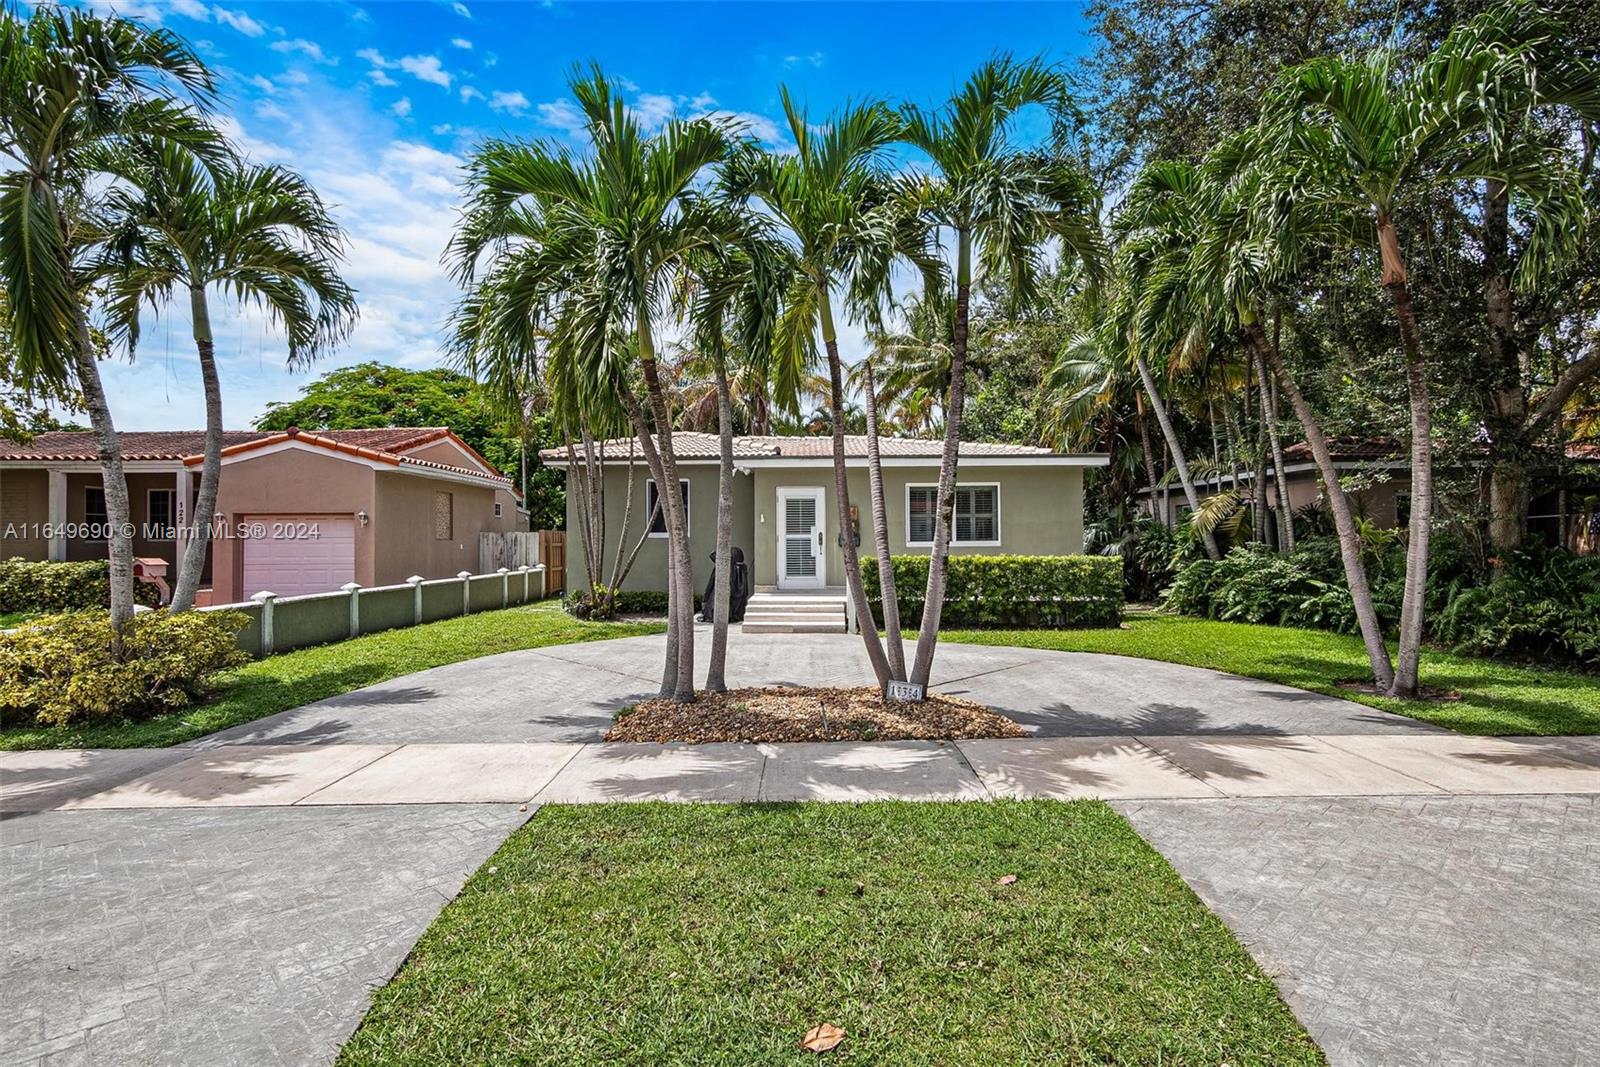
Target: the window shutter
pixel 920 516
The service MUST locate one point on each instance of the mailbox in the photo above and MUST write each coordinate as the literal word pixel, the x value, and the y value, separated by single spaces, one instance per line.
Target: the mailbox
pixel 153 569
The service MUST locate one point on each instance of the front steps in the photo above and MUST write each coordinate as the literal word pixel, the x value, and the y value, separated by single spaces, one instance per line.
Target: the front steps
pixel 820 612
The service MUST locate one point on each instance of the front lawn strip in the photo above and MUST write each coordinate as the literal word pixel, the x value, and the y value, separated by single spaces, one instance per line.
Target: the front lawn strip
pixel 286 681
pixel 1496 698
pixel 721 934
pixel 792 713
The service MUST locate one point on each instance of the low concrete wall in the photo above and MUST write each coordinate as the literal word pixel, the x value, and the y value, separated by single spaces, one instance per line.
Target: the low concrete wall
pixel 278 625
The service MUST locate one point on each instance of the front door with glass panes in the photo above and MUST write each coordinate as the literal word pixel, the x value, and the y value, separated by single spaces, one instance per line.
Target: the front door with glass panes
pixel 800 539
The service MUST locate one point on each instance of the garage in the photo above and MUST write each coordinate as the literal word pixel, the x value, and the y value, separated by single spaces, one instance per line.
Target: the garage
pixel 292 555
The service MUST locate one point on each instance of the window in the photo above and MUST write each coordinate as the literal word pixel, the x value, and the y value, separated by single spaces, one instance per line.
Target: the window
pixel 497 509
pixel 977 514
pixel 94 512
pixel 444 524
pixel 658 523
pixel 1402 509
pixel 161 514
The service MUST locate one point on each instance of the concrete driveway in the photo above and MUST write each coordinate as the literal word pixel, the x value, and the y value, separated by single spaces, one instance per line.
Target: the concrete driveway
pixel 570 692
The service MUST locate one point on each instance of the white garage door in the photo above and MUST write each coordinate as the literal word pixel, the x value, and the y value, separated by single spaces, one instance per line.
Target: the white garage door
pixel 295 554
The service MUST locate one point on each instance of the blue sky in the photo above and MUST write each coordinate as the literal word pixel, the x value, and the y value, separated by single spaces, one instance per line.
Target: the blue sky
pixel 379 104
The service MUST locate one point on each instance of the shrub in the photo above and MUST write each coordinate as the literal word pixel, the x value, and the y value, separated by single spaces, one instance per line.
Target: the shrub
pixel 1546 603
pixel 592 605
pixel 1000 591
pixel 59 670
pixel 26 585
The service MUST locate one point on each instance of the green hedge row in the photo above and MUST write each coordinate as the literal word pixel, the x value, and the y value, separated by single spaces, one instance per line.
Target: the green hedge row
pixel 1005 591
pixel 625 602
pixel 26 585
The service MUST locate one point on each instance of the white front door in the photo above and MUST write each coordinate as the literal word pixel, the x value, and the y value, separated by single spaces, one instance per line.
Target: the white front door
pixel 800 526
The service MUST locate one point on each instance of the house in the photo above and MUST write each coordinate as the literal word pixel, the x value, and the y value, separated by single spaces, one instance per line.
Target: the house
pixel 1565 509
pixel 1009 499
pixel 297 512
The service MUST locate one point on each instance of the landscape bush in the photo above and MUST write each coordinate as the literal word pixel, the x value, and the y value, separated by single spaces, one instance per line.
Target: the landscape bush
pixel 585 604
pixel 59 669
pixel 1545 603
pixel 50 587
pixel 1007 591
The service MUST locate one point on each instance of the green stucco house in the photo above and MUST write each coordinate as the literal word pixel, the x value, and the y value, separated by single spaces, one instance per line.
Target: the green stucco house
pixel 1010 499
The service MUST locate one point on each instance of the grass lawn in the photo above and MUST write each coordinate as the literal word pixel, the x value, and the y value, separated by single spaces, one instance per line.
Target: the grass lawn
pixel 15 618
pixel 278 683
pixel 1496 698
pixel 662 933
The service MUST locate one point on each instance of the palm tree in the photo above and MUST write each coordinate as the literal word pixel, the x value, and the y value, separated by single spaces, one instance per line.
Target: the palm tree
pixel 1158 226
pixel 261 235
pixel 1002 206
pixel 838 213
pixel 599 241
pixel 75 90
pixel 1366 138
pixel 915 361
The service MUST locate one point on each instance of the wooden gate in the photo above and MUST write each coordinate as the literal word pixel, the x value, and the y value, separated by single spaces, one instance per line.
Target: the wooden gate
pixel 553 554
pixel 513 549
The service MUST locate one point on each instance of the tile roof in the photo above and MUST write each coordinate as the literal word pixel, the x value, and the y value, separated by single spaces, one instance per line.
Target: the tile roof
pixel 1350 448
pixel 692 445
pixel 382 443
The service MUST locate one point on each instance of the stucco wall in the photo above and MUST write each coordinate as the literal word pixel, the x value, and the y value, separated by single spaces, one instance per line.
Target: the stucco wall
pixel 1374 501
pixel 1041 513
pixel 25 508
pixel 649 570
pixel 402 517
pixel 292 482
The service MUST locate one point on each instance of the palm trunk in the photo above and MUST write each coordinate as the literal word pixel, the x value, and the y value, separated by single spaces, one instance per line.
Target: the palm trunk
pixel 1148 448
pixel 720 610
pixel 938 557
pixel 194 553
pixel 1355 571
pixel 1273 445
pixel 841 492
pixel 1178 460
pixel 681 573
pixel 880 534
pixel 1412 603
pixel 652 459
pixel 113 481
pixel 1285 515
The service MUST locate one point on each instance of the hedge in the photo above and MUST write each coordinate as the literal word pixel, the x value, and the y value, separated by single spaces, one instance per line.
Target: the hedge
pixel 49 587
pixel 59 669
pixel 626 602
pixel 1007 591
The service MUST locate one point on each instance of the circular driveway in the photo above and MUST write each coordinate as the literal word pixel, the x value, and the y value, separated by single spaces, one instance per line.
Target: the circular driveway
pixel 571 692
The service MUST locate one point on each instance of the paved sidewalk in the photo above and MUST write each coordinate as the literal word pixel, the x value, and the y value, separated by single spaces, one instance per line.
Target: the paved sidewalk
pixel 1409 930
pixel 213 936
pixel 1116 767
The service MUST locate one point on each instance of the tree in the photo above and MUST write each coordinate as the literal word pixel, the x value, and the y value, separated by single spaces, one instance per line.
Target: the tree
pixel 1367 137
pixel 76 89
pixel 1001 205
pixel 259 234
pixel 842 226
pixel 603 237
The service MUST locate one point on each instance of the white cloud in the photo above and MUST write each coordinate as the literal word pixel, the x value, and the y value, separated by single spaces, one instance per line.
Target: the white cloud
pixel 190 9
pixel 653 109
pixel 401 107
pixel 443 128
pixel 239 21
pixel 758 126
pixel 462 43
pixel 815 59
pixel 423 68
pixel 513 102
pixel 461 9
pixel 562 115
pixel 264 84
pixel 469 94
pixel 310 49
pixel 294 77
pixel 426 68
pixel 490 59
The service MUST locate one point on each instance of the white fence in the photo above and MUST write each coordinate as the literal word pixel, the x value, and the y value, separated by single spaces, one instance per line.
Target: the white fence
pixel 278 624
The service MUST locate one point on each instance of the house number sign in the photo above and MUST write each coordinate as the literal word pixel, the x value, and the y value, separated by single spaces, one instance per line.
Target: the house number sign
pixel 906 692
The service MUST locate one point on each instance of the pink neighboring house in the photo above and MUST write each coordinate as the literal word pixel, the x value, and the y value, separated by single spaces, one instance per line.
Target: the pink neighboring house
pixel 297 511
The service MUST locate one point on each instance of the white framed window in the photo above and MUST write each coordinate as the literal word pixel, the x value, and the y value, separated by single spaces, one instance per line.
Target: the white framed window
pixel 161 512
pixel 497 507
pixel 976 520
pixel 658 523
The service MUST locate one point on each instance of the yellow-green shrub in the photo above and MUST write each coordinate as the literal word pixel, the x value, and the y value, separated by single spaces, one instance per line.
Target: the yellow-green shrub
pixel 59 669
pixel 34 585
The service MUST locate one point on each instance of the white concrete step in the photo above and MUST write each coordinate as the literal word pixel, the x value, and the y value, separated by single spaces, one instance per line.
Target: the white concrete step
pixel 793 616
pixel 818 626
pixel 801 607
